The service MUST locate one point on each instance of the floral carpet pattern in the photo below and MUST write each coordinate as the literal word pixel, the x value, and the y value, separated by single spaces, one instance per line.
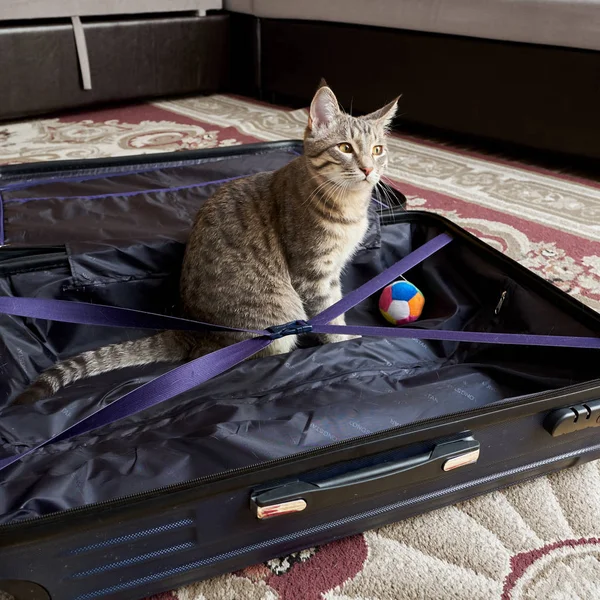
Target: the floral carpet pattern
pixel 540 539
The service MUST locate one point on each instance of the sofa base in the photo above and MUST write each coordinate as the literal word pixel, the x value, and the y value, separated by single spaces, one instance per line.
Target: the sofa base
pixel 131 58
pixel 539 96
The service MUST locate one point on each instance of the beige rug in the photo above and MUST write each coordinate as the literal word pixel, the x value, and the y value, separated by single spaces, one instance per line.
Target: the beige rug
pixel 536 541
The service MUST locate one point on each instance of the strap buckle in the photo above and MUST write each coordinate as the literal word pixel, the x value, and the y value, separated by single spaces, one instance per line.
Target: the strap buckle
pixel 291 328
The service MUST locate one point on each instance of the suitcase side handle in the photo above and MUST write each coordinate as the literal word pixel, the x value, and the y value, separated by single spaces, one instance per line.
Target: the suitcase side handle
pixel 296 496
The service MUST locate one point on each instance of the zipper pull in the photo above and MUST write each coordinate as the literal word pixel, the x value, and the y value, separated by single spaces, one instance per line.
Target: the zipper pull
pixel 500 302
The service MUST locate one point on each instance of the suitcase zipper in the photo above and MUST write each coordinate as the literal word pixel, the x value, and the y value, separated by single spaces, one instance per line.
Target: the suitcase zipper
pixel 373 437
pixel 334 524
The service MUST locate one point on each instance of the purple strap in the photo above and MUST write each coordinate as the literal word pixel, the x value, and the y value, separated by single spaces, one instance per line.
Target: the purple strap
pixel 518 339
pixel 178 188
pixel 85 313
pixel 1 219
pixel 373 285
pixel 198 371
pixel 176 381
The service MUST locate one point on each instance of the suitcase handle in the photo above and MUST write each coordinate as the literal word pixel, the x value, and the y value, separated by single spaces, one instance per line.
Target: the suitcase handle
pixel 296 496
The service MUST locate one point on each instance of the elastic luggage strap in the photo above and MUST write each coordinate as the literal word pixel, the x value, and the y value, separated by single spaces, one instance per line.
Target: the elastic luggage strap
pixel 196 372
pixel 84 313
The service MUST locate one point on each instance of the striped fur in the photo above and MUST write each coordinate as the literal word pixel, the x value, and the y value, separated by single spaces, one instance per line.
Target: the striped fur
pixel 265 249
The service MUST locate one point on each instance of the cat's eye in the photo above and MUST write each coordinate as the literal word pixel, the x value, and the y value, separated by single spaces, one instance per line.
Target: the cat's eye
pixel 345 148
pixel 377 150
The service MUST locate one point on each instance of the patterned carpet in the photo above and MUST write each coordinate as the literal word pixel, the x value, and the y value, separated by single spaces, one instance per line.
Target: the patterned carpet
pixel 536 540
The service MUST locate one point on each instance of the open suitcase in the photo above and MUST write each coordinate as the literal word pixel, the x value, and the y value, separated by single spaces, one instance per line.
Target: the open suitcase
pixel 276 454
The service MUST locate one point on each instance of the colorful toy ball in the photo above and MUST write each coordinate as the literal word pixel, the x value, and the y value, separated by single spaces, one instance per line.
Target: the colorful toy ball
pixel 401 302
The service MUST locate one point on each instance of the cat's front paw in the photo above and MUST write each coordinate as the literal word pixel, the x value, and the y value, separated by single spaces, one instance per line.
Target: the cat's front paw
pixel 332 338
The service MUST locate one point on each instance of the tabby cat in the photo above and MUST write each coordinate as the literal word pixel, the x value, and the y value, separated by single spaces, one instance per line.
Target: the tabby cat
pixel 274 244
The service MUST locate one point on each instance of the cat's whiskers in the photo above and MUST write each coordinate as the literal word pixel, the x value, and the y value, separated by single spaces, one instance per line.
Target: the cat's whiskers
pixel 316 191
pixel 390 199
pixel 387 180
pixel 395 200
pixel 378 199
pixel 329 196
pixel 383 195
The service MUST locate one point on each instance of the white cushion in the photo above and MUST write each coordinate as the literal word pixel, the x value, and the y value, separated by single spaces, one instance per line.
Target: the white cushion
pixel 569 23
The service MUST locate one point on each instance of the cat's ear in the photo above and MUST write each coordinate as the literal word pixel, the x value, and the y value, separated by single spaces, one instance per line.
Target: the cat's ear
pixel 384 115
pixel 323 109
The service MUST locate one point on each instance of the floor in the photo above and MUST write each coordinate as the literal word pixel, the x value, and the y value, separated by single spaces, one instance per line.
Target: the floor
pixel 537 540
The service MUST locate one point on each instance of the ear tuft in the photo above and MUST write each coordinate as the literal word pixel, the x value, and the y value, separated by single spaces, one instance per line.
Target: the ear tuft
pixel 384 115
pixel 323 109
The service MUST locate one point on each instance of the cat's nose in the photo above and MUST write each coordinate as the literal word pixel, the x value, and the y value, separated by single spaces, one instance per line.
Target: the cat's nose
pixel 367 170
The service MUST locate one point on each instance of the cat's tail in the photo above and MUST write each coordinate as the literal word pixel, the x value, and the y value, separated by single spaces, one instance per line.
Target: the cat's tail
pixel 167 346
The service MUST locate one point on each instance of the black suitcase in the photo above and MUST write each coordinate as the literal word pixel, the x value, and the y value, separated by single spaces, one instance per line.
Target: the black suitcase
pixel 276 454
